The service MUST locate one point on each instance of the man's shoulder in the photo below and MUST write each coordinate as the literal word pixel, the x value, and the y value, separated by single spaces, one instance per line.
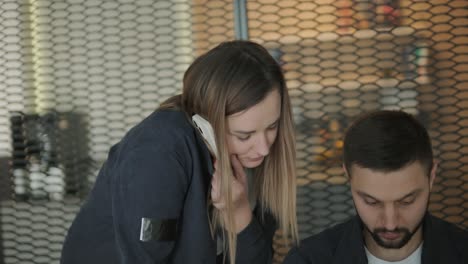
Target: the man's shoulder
pixel 443 239
pixel 454 233
pixel 329 237
pixel 322 247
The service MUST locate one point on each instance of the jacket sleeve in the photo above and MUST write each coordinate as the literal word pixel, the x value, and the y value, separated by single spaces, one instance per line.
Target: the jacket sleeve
pixel 255 242
pixel 147 200
pixel 295 257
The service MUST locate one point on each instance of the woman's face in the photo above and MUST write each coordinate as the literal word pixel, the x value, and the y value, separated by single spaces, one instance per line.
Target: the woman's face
pixel 252 132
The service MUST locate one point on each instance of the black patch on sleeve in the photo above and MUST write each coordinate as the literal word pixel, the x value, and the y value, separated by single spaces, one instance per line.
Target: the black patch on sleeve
pixel 158 229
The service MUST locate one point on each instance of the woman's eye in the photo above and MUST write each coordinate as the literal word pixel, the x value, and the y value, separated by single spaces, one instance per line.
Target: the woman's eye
pixel 243 138
pixel 274 126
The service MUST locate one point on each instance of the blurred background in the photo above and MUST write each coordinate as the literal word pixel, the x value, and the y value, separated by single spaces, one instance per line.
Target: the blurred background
pixel 75 75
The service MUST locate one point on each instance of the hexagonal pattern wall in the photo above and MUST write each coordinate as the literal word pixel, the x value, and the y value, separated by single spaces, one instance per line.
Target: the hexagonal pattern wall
pixel 76 74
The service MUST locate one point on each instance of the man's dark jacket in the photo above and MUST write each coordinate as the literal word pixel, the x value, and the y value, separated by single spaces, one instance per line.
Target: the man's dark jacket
pixel 444 243
pixel 157 180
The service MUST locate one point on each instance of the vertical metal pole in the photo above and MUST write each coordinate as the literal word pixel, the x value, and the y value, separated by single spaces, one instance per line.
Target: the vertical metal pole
pixel 240 19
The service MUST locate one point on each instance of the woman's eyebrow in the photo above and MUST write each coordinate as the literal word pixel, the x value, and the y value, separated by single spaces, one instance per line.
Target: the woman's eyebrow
pixel 253 131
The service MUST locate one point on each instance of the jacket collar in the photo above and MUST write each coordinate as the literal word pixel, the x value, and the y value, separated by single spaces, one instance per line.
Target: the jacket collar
pixel 436 246
pixel 350 249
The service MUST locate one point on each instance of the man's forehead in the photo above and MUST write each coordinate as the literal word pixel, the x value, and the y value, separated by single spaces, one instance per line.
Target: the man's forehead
pixel 414 168
pixel 388 185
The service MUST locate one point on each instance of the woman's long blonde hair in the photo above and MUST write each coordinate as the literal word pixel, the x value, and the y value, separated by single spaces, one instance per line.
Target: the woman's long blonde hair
pixel 229 79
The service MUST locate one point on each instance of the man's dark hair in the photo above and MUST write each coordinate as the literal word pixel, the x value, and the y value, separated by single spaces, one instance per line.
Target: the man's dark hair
pixel 386 141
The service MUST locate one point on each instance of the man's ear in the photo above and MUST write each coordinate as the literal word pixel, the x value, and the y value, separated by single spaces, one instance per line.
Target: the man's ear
pixel 345 171
pixel 432 176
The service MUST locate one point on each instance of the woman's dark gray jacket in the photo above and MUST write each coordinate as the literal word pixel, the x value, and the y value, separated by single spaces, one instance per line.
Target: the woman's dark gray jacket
pixel 149 203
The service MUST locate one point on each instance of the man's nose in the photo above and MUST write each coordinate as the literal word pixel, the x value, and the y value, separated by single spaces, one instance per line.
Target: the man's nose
pixel 390 217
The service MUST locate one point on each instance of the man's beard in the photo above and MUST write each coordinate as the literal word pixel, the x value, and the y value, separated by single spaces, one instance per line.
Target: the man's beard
pixel 407 234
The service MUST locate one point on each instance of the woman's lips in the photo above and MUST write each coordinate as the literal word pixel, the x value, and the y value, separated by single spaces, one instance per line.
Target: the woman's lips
pixel 256 159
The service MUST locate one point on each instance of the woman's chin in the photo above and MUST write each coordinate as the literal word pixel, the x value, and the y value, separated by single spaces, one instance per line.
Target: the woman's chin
pixel 252 163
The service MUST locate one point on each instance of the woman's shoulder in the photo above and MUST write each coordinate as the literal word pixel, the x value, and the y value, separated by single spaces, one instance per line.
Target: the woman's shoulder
pixel 174 121
pixel 167 118
pixel 162 126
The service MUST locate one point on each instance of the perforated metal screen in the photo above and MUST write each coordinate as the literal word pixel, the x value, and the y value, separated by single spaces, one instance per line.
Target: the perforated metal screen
pixel 76 74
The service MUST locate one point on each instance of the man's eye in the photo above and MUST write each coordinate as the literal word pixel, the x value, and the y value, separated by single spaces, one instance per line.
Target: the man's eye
pixel 407 202
pixel 372 203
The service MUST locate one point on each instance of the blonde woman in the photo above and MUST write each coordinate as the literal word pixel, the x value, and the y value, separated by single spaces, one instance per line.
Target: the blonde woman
pixel 162 197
